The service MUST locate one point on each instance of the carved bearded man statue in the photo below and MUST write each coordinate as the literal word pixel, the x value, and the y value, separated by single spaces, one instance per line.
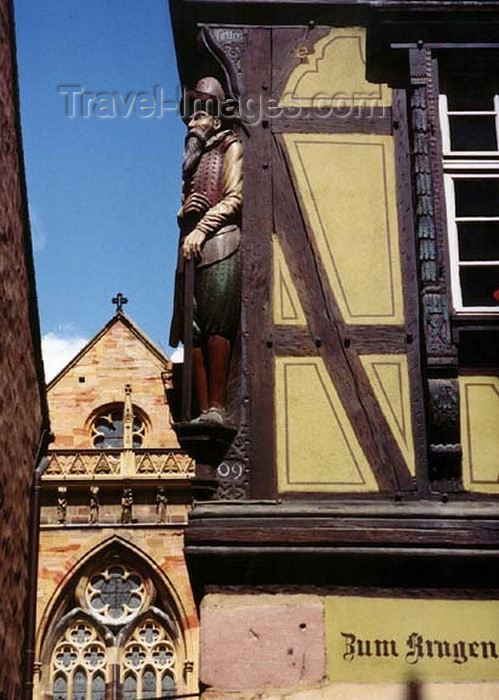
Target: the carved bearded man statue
pixel 210 234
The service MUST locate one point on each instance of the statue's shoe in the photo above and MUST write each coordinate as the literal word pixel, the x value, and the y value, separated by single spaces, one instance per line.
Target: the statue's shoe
pixel 212 416
pixel 201 418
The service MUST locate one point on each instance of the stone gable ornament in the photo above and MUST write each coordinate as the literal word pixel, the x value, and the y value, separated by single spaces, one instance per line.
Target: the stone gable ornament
pixel 210 235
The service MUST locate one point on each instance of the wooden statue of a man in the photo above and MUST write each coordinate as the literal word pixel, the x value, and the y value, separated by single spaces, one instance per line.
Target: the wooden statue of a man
pixel 210 233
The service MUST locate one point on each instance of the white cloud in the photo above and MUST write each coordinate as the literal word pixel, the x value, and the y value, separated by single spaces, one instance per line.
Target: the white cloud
pixel 58 350
pixel 177 355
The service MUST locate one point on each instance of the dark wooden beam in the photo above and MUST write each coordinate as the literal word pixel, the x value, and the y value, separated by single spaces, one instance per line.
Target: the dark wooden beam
pixel 421 547
pixel 409 264
pixel 290 341
pixel 257 319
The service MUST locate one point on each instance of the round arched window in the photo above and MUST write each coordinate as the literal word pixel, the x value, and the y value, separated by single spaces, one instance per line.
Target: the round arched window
pixel 116 593
pixel 108 429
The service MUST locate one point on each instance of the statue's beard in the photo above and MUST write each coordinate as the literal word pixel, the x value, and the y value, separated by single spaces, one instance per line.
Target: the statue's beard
pixel 194 146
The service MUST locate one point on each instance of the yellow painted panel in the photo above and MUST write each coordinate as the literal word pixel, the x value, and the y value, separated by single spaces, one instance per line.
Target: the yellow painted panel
pixel 287 306
pixel 348 189
pixel 389 377
pixel 479 403
pixel 388 639
pixel 317 449
pixel 335 74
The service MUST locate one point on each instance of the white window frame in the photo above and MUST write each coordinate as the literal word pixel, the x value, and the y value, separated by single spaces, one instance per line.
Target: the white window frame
pixel 465 165
pixel 445 113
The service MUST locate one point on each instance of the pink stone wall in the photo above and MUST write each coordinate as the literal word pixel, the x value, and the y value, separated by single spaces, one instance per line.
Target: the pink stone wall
pixel 250 642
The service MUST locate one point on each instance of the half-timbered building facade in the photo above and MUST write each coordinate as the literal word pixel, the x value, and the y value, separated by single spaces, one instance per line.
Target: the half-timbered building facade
pixel 349 541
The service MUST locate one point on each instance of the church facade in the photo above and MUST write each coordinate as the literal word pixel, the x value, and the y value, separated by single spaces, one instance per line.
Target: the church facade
pixel 115 613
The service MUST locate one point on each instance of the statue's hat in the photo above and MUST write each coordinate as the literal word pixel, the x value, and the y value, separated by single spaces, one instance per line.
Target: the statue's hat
pixel 208 96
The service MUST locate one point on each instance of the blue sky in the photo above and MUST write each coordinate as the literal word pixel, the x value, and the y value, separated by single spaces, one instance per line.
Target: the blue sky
pixel 103 191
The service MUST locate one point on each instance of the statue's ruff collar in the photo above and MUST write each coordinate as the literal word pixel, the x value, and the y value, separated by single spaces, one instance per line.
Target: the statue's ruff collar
pixel 217 138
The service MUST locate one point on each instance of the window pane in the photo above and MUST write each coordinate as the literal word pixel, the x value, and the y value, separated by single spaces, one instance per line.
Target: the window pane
pixel 477 196
pixel 167 685
pixel 60 688
pixel 115 593
pixel 473 133
pixel 468 78
pixel 480 285
pixel 79 685
pixel 109 429
pixel 149 684
pixel 130 688
pixel 98 602
pixel 98 688
pixel 478 241
pixel 135 656
pixel 462 96
pixel 66 656
pixel 149 632
pixel 94 656
pixel 163 655
pixel 81 633
pixel 134 602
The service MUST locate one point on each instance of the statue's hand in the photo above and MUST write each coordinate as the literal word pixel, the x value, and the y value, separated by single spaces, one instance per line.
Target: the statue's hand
pixel 193 242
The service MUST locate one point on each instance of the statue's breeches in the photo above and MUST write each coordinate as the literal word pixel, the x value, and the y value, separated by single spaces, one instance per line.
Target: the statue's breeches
pixel 217 298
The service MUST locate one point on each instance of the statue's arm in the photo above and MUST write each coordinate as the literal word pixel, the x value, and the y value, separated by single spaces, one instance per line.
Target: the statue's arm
pixel 224 212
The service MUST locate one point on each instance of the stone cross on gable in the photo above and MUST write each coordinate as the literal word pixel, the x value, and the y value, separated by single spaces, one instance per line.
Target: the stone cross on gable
pixel 120 301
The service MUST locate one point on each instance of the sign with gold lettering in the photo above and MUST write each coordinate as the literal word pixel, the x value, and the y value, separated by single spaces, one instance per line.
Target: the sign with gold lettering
pixel 388 639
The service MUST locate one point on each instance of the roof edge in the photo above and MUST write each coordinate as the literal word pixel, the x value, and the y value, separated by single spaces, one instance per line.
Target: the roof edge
pixel 122 317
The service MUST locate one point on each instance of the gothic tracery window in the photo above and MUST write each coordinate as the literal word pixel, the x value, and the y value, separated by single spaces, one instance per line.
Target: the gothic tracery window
pixel 108 429
pixel 113 621
pixel 78 664
pixel 115 594
pixel 149 660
